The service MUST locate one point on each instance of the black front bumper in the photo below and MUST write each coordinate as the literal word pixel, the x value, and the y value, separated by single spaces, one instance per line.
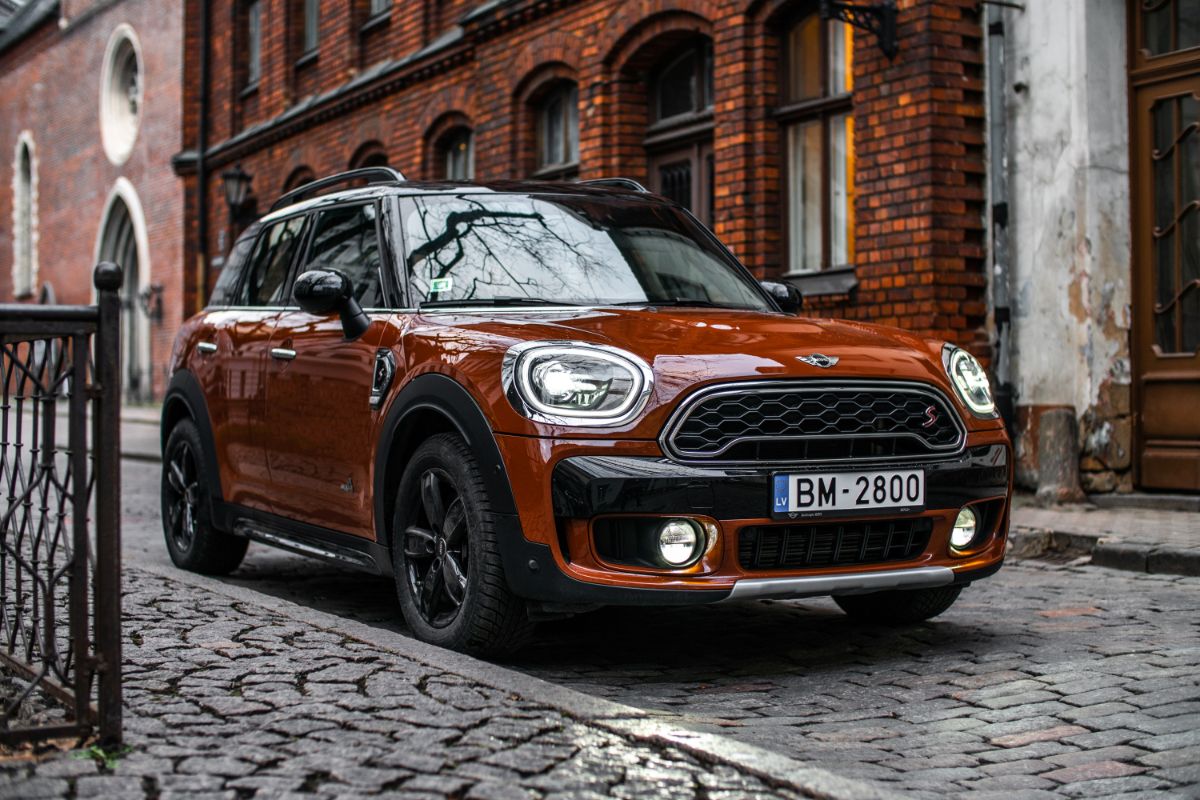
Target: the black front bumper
pixel 590 486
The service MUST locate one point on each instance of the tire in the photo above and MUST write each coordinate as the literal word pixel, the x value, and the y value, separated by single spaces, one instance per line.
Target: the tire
pixel 449 576
pixel 899 607
pixel 192 541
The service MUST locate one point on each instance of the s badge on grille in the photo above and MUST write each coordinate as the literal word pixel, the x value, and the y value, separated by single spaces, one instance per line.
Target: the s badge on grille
pixel 931 417
pixel 819 360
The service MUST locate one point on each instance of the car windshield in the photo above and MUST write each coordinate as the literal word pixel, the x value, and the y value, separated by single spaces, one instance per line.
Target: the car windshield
pixel 520 250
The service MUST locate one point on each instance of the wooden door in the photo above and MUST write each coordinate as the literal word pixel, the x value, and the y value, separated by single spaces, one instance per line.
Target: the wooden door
pixel 1165 185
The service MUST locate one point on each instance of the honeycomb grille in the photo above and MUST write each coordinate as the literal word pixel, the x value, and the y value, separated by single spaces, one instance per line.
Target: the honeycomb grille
pixel 832 544
pixel 815 423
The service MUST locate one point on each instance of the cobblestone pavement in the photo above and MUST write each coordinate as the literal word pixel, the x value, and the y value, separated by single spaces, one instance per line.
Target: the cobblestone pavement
pixel 1044 680
pixel 230 700
pixel 1081 682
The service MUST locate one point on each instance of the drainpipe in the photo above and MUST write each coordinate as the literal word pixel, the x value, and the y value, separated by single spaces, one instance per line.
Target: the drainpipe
pixel 998 201
pixel 202 157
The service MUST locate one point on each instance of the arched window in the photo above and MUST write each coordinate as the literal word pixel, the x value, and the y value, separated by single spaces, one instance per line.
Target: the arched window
pixel 371 154
pixel 298 177
pixel 679 141
pixel 558 132
pixel 456 154
pixel 817 114
pixel 24 221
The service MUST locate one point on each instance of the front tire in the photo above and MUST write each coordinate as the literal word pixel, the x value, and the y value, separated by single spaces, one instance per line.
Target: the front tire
pixel 446 558
pixel 193 543
pixel 899 607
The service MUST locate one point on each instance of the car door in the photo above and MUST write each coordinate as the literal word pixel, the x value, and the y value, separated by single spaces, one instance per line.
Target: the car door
pixel 233 361
pixel 319 417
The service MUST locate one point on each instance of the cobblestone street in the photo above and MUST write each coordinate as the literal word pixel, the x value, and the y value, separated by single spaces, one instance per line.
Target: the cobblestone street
pixel 1046 680
pixel 229 700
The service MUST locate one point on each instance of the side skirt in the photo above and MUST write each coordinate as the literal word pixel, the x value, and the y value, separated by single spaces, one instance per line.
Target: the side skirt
pixel 306 540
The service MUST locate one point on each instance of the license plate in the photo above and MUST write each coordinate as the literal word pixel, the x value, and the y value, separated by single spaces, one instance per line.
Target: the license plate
pixel 817 494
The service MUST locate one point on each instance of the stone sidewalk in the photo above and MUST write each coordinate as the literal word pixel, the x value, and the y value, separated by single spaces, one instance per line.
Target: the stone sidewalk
pixel 1122 537
pixel 227 698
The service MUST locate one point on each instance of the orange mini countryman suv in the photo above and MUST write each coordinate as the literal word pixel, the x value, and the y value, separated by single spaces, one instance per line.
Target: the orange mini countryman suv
pixel 528 400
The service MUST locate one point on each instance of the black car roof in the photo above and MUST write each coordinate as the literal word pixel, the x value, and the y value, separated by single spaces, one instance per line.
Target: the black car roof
pixel 526 188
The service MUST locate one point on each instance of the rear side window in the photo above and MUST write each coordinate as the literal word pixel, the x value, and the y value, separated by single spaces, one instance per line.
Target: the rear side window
pixel 345 239
pixel 223 294
pixel 267 270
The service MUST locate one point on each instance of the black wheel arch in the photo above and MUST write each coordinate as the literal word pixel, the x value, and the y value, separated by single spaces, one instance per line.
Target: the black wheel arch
pixel 184 399
pixel 429 404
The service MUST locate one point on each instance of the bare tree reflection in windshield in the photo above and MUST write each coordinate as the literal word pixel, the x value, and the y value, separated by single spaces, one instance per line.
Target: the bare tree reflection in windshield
pixel 568 249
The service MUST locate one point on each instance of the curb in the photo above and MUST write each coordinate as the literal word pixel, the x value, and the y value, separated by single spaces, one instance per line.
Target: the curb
pixel 634 724
pixel 1131 556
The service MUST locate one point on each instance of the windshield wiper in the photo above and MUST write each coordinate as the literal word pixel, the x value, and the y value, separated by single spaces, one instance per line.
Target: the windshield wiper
pixel 493 301
pixel 679 301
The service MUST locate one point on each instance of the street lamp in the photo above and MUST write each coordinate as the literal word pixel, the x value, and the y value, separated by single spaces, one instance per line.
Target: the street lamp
pixel 237 188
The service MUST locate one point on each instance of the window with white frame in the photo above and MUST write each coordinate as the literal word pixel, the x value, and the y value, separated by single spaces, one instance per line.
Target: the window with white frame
pixel 817 115
pixel 120 95
pixel 380 6
pixel 24 219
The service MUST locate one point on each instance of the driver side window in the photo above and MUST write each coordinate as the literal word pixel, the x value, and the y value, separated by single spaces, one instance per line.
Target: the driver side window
pixel 345 240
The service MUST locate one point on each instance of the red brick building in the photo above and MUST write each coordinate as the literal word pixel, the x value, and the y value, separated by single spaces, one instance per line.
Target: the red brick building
pixel 811 152
pixel 89 119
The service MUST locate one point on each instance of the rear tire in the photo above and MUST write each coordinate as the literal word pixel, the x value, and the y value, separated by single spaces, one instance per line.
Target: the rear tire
pixel 193 543
pixel 446 558
pixel 899 607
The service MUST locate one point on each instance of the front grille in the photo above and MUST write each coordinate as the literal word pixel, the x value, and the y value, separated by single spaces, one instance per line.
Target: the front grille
pixel 778 423
pixel 832 544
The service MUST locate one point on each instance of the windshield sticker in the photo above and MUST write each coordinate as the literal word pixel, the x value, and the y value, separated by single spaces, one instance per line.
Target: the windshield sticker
pixel 441 285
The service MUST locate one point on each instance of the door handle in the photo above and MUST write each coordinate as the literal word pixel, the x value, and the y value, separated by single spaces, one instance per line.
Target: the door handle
pixel 282 353
pixel 206 347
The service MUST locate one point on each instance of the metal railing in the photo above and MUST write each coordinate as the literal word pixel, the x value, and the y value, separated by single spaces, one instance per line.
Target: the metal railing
pixel 60 534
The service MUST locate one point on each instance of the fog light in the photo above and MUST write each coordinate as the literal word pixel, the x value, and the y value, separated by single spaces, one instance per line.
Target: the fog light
pixel 965 527
pixel 678 542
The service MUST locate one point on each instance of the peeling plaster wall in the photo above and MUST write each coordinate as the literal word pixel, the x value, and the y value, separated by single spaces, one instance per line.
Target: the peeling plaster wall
pixel 1068 170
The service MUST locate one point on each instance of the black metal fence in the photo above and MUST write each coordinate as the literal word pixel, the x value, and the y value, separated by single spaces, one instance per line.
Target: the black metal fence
pixel 60 534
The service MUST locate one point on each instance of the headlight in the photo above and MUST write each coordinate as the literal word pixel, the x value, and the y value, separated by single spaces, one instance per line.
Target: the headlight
pixel 568 383
pixel 970 381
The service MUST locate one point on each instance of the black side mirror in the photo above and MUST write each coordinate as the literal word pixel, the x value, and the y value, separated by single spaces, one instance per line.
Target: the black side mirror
pixel 788 297
pixel 321 292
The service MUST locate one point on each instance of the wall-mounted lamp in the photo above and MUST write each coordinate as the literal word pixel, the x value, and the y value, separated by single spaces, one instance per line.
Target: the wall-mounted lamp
pixel 236 182
pixel 150 299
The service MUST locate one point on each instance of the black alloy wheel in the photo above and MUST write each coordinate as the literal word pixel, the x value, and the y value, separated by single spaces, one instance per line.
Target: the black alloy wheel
pixel 446 554
pixel 182 496
pixel 192 541
pixel 435 550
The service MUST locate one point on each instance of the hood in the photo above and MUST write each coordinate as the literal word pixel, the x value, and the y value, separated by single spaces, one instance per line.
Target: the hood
pixel 687 348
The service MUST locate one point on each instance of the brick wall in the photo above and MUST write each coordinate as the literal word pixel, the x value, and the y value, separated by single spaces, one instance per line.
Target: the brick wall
pixel 920 159
pixel 50 87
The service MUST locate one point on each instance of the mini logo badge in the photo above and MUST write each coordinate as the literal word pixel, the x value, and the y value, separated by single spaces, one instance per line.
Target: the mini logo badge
pixel 348 486
pixel 931 417
pixel 819 360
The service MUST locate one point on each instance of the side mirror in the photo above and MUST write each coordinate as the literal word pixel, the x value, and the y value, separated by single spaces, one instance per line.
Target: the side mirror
pixel 322 292
pixel 788 297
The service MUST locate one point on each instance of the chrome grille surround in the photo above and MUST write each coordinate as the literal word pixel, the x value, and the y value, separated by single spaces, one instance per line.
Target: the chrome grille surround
pixel 900 398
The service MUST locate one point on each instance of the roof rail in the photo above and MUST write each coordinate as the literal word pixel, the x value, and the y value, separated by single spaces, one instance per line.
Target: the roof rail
pixel 617 183
pixel 369 174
